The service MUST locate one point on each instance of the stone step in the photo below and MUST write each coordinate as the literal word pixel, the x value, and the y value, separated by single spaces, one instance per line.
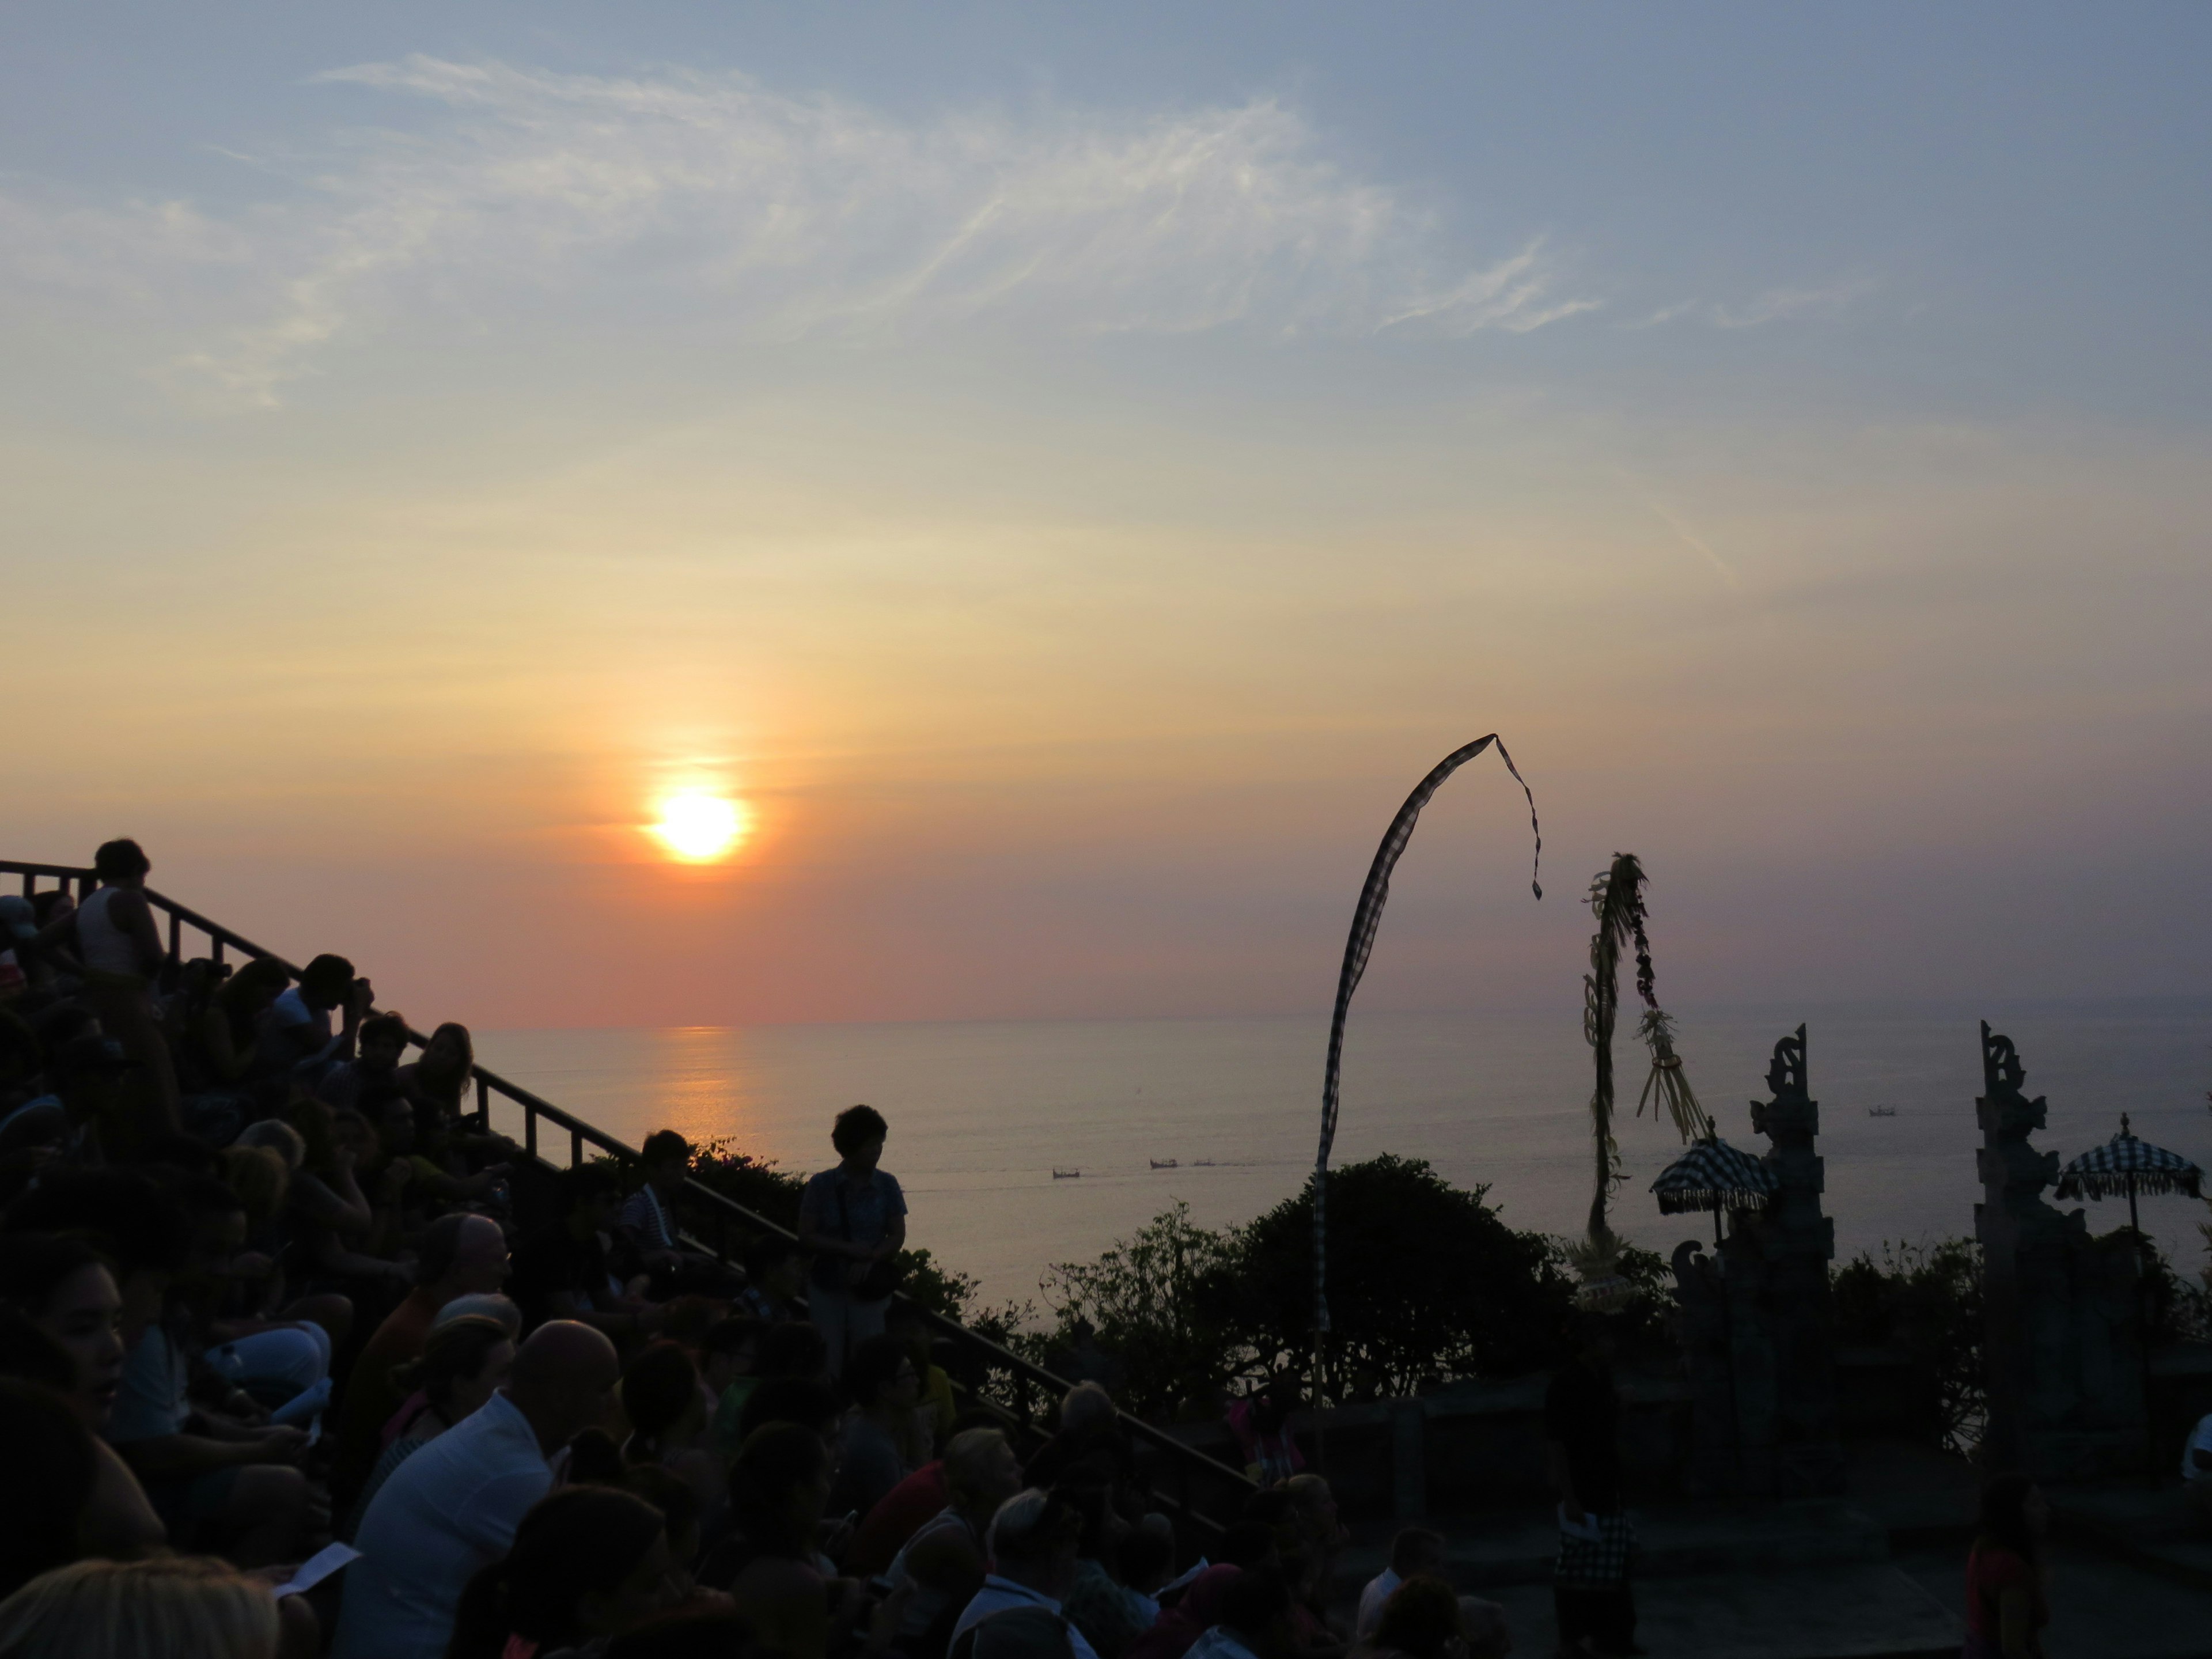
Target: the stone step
pixel 1851 1610
pixel 1673 1542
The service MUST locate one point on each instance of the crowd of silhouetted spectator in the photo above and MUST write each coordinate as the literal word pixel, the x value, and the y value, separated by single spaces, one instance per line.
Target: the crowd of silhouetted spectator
pixel 298 1356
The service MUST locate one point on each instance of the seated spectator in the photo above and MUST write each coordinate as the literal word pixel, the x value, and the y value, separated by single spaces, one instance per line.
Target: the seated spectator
pixel 939 1409
pixel 773 1565
pixel 69 1496
pixel 1197 1610
pixel 1318 1536
pixel 776 1276
pixel 884 1529
pixel 1414 1552
pixel 295 1039
pixel 1031 1544
pixel 729 1357
pixel 1254 1622
pixel 271 1360
pixel 871 1457
pixel 128 1219
pixel 798 1399
pixel 650 1232
pixel 330 1220
pixel 561 1270
pixel 439 1077
pixel 710 1631
pixel 794 1349
pixel 221 1036
pixel 461 1256
pixel 679 1508
pixel 1110 1617
pixel 667 1408
pixel 587 1563
pixel 944 1561
pixel 1147 1562
pixel 2197 1468
pixel 488 1306
pixel 1484 1633
pixel 464 1363
pixel 176 1607
pixel 452 1508
pixel 380 1046
pixel 648 1217
pixel 67 1293
pixel 1023 1632
pixel 1421 1621
pixel 1086 1448
pixel 219 1480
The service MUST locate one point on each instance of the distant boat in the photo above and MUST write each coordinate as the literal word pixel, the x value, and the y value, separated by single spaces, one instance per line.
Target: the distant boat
pixel 1881 1111
pixel 1068 1174
pixel 1164 1164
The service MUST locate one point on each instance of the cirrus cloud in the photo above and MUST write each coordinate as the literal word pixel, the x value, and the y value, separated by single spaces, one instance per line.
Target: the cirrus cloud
pixel 793 216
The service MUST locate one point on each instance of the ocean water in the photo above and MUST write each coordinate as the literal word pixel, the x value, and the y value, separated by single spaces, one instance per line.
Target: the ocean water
pixel 983 1112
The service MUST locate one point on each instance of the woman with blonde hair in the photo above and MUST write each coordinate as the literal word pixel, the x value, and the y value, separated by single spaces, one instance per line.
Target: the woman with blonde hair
pixel 178 1606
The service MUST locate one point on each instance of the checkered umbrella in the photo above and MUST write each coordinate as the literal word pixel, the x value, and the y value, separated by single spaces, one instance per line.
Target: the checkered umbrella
pixel 2126 1165
pixel 1713 1175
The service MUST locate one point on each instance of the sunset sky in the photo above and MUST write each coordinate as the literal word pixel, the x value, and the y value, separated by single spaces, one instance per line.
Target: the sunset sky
pixel 1066 472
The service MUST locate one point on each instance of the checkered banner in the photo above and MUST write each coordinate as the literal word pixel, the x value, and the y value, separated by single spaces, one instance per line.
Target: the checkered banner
pixel 1713 1176
pixel 2123 1162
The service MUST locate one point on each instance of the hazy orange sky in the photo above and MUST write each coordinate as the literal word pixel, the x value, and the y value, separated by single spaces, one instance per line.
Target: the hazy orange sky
pixel 1069 483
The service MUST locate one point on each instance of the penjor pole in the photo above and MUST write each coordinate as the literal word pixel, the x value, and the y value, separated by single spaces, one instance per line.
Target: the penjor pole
pixel 1365 921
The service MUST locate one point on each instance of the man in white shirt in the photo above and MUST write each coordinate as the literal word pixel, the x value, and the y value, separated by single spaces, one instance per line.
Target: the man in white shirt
pixel 1414 1552
pixel 2196 1467
pixel 452 1508
pixel 1031 1547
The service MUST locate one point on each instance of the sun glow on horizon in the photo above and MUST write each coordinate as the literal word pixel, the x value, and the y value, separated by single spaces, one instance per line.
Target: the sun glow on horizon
pixel 699 828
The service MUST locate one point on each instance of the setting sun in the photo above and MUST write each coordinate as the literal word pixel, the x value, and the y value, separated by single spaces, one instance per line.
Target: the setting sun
pixel 699 828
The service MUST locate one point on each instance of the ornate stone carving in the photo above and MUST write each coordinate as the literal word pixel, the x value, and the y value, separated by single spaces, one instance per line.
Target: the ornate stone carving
pixel 1758 1332
pixel 2062 1340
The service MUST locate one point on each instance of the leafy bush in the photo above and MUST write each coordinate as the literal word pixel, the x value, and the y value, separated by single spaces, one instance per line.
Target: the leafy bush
pixel 1425 1283
pixel 1925 1301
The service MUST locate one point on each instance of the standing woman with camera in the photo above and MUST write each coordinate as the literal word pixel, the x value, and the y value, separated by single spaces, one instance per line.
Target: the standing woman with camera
pixel 853 1219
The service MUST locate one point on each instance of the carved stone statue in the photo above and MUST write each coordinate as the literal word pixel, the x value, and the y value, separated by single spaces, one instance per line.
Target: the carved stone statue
pixel 1757 1327
pixel 2063 1339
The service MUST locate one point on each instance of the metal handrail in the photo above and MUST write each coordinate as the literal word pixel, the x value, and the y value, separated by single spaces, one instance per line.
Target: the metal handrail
pixel 1189 1459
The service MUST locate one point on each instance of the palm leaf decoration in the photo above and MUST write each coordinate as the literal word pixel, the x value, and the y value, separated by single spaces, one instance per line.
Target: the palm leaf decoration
pixel 1616 899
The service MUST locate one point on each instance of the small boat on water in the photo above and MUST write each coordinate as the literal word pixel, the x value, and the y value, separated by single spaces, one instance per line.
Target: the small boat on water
pixel 1164 1164
pixel 1068 1174
pixel 1881 1111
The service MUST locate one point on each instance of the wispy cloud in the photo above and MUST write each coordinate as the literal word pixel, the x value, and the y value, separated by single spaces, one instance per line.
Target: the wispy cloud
pixel 794 215
pixel 1690 538
pixel 1775 305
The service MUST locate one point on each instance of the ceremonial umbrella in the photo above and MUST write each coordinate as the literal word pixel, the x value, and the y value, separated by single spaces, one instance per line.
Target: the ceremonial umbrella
pixel 1713 1176
pixel 2124 1165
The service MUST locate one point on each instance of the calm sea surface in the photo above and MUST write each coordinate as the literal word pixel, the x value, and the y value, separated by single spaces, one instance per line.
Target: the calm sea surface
pixel 981 1114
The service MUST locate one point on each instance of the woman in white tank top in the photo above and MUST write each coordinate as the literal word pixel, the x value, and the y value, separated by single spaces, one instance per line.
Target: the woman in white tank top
pixel 122 952
pixel 106 948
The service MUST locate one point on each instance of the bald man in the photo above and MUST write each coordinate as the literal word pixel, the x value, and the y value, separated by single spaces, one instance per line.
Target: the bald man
pixel 462 1255
pixel 451 1509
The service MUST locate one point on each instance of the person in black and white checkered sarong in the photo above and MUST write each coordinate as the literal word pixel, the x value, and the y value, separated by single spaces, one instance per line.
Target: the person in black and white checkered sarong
pixel 1582 1420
